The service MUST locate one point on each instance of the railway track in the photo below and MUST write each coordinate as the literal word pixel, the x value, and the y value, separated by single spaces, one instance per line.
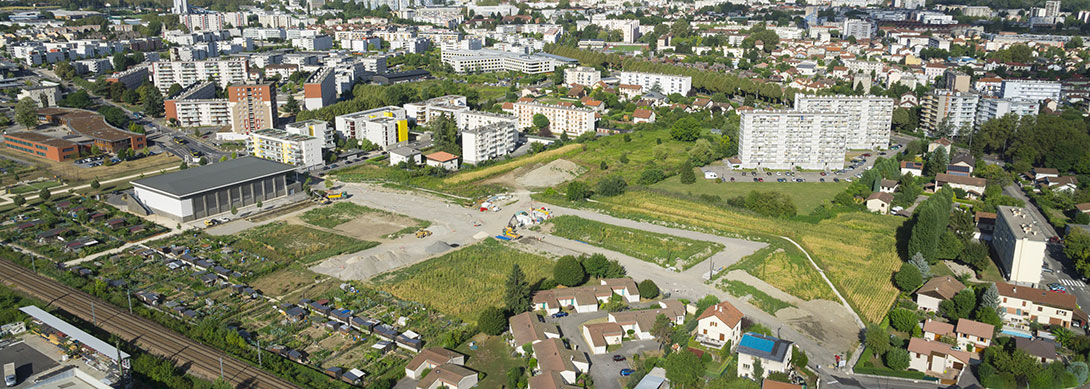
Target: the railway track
pixel 197 358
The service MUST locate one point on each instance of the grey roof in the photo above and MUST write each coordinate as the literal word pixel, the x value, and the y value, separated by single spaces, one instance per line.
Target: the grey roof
pixel 203 178
pixel 776 351
pixel 75 333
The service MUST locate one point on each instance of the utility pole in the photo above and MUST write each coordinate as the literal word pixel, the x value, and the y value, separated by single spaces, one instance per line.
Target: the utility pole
pixel 93 319
pixel 128 294
pixel 34 263
pixel 221 368
pixel 259 354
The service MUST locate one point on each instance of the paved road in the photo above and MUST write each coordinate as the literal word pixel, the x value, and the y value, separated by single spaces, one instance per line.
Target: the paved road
pixel 603 369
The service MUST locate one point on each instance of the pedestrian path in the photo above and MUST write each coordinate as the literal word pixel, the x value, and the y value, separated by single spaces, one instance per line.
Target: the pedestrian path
pixel 1072 283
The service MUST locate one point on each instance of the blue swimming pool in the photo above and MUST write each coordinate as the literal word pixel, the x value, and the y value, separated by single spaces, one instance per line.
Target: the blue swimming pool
pixel 1018 334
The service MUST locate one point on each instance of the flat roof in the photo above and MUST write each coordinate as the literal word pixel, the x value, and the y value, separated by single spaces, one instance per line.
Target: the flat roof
pixel 763 346
pixel 1021 223
pixel 36 137
pixel 75 333
pixel 88 123
pixel 204 178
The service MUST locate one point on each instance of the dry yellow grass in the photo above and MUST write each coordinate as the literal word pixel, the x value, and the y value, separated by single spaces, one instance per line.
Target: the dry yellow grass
pixel 544 156
pixel 856 250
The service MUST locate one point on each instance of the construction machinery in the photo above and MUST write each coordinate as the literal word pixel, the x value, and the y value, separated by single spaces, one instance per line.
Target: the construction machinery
pixel 423 234
pixel 335 195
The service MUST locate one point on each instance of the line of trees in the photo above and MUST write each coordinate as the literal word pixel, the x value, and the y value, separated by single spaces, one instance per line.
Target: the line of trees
pixel 710 82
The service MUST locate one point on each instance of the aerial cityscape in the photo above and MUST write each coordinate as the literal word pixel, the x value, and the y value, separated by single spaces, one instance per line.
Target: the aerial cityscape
pixel 751 194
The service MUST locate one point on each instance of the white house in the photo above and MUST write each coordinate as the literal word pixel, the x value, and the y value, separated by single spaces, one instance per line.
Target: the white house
pixel 405 154
pixel 600 336
pixel 879 202
pixel 430 358
pixel 585 298
pixel 442 159
pixel 719 324
pixel 774 354
pixel 931 294
pixel 641 115
pixel 937 359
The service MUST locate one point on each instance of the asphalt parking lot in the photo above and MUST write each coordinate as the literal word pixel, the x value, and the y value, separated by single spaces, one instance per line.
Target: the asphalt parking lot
pixel 28 362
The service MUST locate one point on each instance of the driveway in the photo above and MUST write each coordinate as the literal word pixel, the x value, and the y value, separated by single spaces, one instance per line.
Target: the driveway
pixel 603 369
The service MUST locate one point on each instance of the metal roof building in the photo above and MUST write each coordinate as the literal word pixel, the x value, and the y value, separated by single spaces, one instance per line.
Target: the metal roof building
pixel 76 334
pixel 205 191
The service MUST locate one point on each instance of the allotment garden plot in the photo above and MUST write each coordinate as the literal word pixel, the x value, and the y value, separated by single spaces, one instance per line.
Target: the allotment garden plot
pixel 73 228
pixel 283 242
pixel 198 279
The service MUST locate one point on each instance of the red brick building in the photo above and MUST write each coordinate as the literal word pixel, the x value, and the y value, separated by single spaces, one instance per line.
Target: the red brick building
pixel 42 146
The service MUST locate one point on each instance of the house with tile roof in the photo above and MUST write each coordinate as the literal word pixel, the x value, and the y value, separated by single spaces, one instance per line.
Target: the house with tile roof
pixel 641 321
pixel 719 324
pixel 585 298
pixel 974 336
pixel 935 291
pixel 529 328
pixel 600 336
pixel 553 356
pixel 449 376
pixel 937 359
pixel 1022 305
pixel 431 358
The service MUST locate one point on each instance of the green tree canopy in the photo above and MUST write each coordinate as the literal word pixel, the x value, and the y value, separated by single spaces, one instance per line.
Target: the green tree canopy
pixel 568 271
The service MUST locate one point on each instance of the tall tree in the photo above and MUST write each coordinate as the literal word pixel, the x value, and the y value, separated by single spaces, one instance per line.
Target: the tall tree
pixel 517 295
pixel 661 330
pixel 152 101
pixel 568 271
pixel 683 369
pixel 26 112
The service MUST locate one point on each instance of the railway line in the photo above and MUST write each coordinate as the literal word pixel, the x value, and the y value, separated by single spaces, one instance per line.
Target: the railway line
pixel 197 358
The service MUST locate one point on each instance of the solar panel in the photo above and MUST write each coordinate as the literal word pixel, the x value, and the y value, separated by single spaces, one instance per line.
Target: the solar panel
pixel 756 343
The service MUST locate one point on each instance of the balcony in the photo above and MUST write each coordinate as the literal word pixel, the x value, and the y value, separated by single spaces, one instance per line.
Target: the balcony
pixel 707 341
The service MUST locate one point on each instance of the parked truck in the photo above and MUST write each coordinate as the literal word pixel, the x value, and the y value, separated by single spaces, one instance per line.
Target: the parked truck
pixel 9 374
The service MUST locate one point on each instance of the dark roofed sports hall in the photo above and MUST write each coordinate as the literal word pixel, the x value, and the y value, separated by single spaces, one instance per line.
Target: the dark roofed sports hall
pixel 204 191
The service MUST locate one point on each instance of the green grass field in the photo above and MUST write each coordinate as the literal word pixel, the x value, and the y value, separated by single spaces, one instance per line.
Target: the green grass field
pixel 282 242
pixel 34 187
pixel 857 250
pixel 462 282
pixel 492 357
pixel 758 298
pixel 805 195
pixel 780 264
pixel 661 249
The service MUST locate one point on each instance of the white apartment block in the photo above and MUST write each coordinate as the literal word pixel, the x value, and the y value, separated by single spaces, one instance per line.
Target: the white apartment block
pixel 870 117
pixel 571 120
pixel 314 43
pixel 320 89
pixel 316 128
pixel 45 96
pixel 665 83
pixel 792 139
pixel 421 113
pixel 993 107
pixel 1019 240
pixel 1030 90
pixel 284 147
pixel 382 126
pixel 860 29
pixel 582 75
pixel 195 106
pixel 487 60
pixel 469 120
pixel 630 28
pixel 185 73
pixel 944 107
pixel 487 142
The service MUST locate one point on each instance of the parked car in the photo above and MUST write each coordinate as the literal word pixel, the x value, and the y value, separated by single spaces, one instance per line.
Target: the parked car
pixel 836 179
pixel 560 314
pixel 755 179
pixel 823 174
pixel 627 372
pixel 822 180
pixel 1056 287
pixel 760 180
pixel 618 358
pixel 732 179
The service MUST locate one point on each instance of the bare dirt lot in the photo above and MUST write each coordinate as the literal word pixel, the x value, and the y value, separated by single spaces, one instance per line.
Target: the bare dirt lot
pixel 551 174
pixel 374 227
